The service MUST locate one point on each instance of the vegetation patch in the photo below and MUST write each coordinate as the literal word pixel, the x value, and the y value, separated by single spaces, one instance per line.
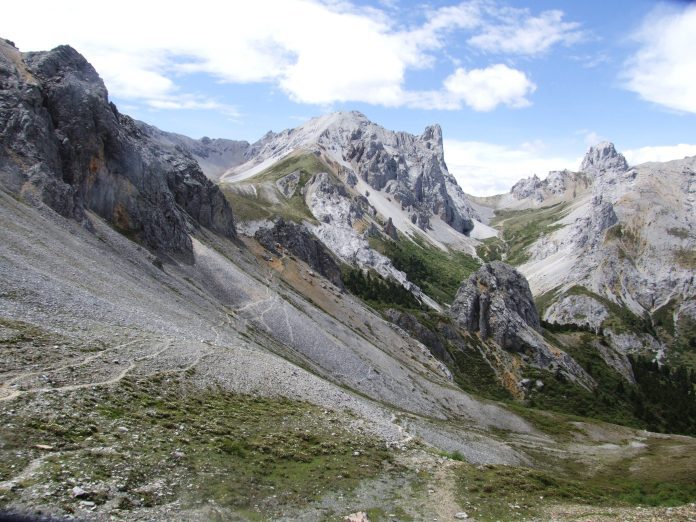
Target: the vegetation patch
pixel 149 442
pixel 438 273
pixel 681 233
pixel 378 291
pixel 620 319
pixel 521 228
pixel 662 476
pixel 662 400
pixel 259 198
pixel 491 249
pixel 686 258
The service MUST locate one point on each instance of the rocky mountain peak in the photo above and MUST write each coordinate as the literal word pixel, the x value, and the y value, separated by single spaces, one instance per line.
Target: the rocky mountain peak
pixel 433 134
pixel 408 169
pixel 602 158
pixel 64 144
pixel 526 187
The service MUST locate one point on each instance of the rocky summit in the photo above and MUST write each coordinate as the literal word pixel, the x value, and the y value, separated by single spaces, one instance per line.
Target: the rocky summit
pixel 321 325
pixel 64 144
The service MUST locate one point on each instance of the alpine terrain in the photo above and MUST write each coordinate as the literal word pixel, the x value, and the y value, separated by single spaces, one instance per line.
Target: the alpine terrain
pixel 322 325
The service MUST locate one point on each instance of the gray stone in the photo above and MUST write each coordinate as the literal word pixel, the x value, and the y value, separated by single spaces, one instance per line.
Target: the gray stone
pixel 302 244
pixel 62 143
pixel 497 304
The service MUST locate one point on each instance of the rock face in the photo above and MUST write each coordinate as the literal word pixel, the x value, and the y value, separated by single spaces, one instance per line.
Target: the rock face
pixel 628 237
pixel 410 169
pixel 411 324
pixel 303 245
pixel 559 185
pixel 579 310
pixel 62 143
pixel 496 303
pixel 214 156
pixel 603 158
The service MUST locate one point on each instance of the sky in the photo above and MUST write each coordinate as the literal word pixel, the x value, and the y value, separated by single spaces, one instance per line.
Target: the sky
pixel 519 87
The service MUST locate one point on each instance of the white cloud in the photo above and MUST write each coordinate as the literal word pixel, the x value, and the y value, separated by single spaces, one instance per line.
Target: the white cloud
pixel 479 89
pixel 590 137
pixel 484 169
pixel 484 89
pixel 521 33
pixel 659 153
pixel 664 67
pixel 316 52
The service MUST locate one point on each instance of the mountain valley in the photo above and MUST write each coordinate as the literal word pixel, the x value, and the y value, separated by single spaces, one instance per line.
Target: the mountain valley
pixel 322 324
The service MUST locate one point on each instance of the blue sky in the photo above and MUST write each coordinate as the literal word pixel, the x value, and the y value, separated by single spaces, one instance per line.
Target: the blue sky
pixel 518 87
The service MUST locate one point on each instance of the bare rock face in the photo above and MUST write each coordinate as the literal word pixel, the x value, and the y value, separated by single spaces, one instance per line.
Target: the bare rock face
pixel 527 187
pixel 496 303
pixel 302 244
pixel 64 144
pixel 410 169
pixel 602 158
pixel 214 155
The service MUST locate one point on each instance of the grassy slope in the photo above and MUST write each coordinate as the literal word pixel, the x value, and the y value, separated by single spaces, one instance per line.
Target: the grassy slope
pixel 438 273
pixel 521 228
pixel 250 206
pixel 661 476
pixel 203 445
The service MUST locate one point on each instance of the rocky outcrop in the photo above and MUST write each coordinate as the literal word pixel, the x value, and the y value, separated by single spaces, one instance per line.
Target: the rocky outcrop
pixel 559 185
pixel 416 329
pixel 214 155
pixel 497 304
pixel 298 241
pixel 64 144
pixel 390 230
pixel 580 310
pixel 410 169
pixel 602 158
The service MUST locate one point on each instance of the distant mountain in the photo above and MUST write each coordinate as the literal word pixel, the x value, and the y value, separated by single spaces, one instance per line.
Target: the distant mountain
pixel 611 247
pixel 214 156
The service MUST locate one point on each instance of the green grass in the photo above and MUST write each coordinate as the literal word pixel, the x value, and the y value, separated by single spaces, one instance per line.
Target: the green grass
pixel 491 249
pixel 248 206
pixel 609 401
pixel 620 319
pixel 663 475
pixel 438 273
pixel 521 228
pixel 471 371
pixel 204 445
pixel 663 317
pixel 306 163
pixel 543 301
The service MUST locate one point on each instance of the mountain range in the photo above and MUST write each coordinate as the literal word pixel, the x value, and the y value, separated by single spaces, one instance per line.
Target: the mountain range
pixel 323 324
